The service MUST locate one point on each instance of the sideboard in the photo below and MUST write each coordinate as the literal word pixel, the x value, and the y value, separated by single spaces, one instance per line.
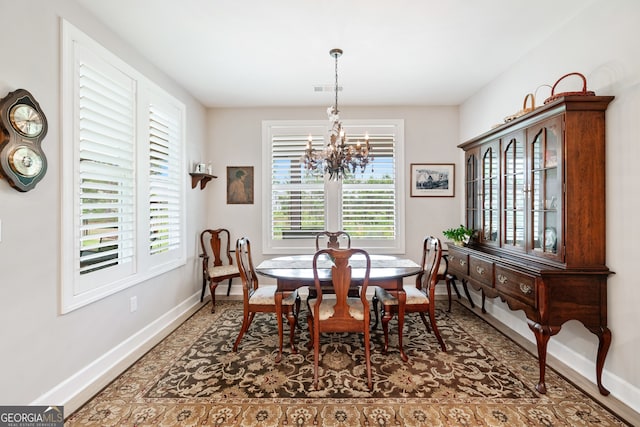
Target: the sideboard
pixel 535 196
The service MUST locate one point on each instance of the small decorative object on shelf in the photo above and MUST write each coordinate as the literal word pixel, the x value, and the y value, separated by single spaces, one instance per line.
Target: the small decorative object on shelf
pixel 460 236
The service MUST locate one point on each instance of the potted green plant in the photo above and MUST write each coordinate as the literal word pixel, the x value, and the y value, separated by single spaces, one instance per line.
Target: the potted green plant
pixel 460 236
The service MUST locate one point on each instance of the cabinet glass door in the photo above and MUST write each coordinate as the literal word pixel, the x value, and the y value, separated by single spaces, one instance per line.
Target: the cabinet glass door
pixel 513 211
pixel 471 183
pixel 490 183
pixel 546 187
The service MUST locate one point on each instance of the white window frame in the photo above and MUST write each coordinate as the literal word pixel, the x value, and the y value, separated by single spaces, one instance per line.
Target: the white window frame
pixel 333 189
pixel 78 290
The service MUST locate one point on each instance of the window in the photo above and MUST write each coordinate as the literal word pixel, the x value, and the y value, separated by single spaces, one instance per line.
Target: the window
pixel 299 203
pixel 122 176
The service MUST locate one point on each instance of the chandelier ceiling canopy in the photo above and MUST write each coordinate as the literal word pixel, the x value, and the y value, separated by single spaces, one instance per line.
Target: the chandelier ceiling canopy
pixel 338 159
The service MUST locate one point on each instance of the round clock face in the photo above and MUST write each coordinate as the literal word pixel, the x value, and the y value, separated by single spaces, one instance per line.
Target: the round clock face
pixel 25 161
pixel 26 120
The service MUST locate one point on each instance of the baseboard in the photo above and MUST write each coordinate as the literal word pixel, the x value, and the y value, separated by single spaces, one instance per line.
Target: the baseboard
pixel 78 389
pixel 624 397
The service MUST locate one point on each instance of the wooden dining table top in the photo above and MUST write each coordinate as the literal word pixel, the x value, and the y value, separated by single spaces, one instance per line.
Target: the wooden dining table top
pixel 300 267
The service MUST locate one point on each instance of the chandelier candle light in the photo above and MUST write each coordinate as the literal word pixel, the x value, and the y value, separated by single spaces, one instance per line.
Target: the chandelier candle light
pixel 338 158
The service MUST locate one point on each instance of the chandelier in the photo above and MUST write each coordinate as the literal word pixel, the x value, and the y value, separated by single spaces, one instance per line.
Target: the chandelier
pixel 337 159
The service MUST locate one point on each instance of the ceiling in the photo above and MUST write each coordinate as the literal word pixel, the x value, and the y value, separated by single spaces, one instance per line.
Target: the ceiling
pixel 248 53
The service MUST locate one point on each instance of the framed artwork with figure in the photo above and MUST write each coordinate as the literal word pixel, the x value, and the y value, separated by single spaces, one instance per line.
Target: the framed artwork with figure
pixel 432 179
pixel 240 185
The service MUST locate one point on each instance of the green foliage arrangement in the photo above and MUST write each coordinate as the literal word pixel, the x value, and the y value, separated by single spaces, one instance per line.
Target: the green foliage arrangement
pixel 459 235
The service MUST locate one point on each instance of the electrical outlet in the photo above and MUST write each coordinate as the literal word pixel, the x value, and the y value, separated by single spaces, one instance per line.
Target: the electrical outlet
pixel 133 304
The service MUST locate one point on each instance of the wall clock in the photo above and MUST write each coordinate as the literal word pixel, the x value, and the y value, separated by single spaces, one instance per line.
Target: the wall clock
pixel 24 126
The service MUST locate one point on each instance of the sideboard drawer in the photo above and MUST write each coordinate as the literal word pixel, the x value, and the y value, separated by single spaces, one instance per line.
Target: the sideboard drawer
pixel 516 284
pixel 481 270
pixel 458 262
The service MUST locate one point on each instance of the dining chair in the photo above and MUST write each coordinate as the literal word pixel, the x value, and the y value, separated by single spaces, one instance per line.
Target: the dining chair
pixel 261 299
pixel 333 239
pixel 337 312
pixel 217 263
pixel 420 299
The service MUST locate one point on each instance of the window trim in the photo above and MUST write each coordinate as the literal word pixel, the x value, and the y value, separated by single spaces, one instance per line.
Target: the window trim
pixel 333 200
pixel 144 266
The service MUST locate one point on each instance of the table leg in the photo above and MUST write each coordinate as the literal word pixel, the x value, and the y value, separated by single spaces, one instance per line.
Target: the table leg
pixel 278 298
pixel 402 301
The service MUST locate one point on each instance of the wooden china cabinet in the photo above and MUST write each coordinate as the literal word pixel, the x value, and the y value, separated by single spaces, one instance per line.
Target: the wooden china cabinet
pixel 535 194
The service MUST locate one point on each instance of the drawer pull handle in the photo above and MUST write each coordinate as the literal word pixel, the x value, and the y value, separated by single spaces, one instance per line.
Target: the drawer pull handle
pixel 463 262
pixel 480 270
pixel 526 289
pixel 502 279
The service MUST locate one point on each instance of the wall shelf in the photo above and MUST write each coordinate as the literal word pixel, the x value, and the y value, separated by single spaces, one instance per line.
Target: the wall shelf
pixel 202 178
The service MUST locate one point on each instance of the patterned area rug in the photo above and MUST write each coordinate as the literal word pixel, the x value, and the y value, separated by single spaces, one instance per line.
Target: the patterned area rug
pixel 193 378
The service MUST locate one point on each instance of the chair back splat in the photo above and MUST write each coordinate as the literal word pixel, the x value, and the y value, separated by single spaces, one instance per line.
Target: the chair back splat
pixel 333 239
pixel 217 263
pixel 338 312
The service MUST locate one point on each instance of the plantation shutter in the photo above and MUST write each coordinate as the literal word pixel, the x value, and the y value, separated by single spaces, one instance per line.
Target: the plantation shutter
pixel 368 204
pixel 297 198
pixel 369 197
pixel 164 179
pixel 106 168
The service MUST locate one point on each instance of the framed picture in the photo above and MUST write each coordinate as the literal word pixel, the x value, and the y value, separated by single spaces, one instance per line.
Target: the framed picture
pixel 239 185
pixel 432 179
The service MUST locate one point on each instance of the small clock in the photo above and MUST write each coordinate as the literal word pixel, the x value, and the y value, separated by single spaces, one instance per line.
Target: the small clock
pixel 23 126
pixel 26 120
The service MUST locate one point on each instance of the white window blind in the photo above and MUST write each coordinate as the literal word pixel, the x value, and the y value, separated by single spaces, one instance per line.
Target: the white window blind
pixel 297 198
pixel 301 203
pixel 369 198
pixel 164 179
pixel 123 190
pixel 106 209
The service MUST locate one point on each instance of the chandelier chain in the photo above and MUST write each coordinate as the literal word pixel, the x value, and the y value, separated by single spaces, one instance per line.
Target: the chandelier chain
pixel 338 159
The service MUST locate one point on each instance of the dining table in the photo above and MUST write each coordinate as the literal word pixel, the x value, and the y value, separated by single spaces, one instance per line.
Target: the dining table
pixel 296 271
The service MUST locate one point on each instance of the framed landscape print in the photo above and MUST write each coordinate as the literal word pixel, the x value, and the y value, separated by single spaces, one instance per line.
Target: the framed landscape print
pixel 432 179
pixel 239 185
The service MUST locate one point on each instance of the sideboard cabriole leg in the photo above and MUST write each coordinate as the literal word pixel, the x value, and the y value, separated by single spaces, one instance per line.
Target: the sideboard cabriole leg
pixel 543 334
pixel 604 341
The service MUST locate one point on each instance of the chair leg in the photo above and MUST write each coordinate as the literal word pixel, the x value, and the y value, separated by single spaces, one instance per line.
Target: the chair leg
pixel 448 283
pixel 297 314
pixel 316 356
pixel 367 356
pixel 436 332
pixel 374 304
pixel 229 288
pixel 386 317
pixel 212 289
pixel 453 282
pixel 246 321
pixel 466 291
pixel 310 326
pixel 424 320
pixel 204 287
pixel 292 318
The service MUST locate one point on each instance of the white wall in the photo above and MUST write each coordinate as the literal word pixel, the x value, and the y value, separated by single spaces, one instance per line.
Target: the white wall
pixel 603 43
pixel 431 135
pixel 46 357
